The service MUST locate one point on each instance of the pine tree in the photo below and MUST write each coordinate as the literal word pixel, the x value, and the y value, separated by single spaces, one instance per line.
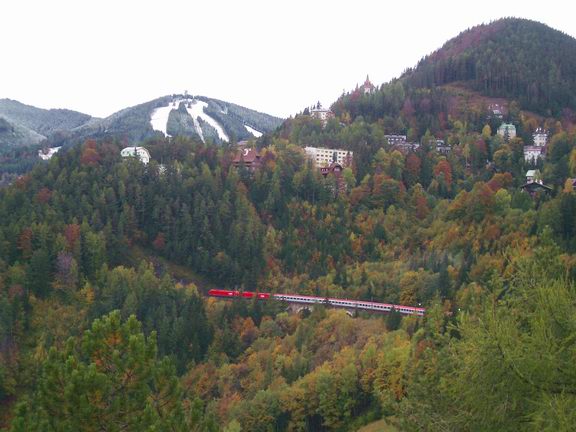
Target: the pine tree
pixel 109 379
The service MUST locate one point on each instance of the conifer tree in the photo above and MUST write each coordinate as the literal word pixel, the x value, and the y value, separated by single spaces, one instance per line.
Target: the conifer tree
pixel 109 379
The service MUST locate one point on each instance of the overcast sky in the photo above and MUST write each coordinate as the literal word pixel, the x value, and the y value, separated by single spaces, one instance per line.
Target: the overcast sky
pixel 273 56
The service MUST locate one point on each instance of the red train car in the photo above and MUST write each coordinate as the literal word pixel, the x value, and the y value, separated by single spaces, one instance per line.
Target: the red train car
pixel 223 293
pixel 239 294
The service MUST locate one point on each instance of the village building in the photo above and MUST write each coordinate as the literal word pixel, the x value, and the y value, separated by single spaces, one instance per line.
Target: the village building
pixel 367 87
pixel 322 114
pixel 248 158
pixel 335 170
pixel 406 147
pixel 507 131
pixel 534 187
pixel 400 143
pixel 442 147
pixel 395 139
pixel 540 137
pixel 323 157
pixel 497 110
pixel 46 154
pixel 534 183
pixel 538 150
pixel 533 175
pixel 533 153
pixel 138 152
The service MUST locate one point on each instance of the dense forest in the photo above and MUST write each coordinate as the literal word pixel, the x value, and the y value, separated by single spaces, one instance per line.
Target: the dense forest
pixel 509 59
pixel 105 264
pixel 512 58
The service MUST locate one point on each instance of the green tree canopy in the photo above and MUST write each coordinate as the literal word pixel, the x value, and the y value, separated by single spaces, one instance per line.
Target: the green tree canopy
pixel 109 379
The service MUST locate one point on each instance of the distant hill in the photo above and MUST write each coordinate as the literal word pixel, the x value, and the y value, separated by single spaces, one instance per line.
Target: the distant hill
pixel 16 135
pixel 199 116
pixel 185 115
pixel 42 121
pixel 503 71
pixel 511 58
pixel 23 128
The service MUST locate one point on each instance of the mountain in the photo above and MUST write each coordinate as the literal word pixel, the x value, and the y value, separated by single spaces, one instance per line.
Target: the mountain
pixel 186 115
pixel 23 127
pixel 511 58
pixel 42 121
pixel 200 116
pixel 511 70
pixel 22 124
pixel 16 135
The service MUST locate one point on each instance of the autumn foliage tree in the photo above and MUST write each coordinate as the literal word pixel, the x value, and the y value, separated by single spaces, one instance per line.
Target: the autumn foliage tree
pixel 109 378
pixel 90 155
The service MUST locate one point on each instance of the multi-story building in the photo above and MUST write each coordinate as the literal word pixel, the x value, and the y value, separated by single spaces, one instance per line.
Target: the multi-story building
pixel 507 131
pixel 540 137
pixel 321 114
pixel 395 139
pixel 442 147
pixel 406 147
pixel 538 150
pixel 497 110
pixel 137 152
pixel 323 157
pixel 335 169
pixel 532 153
pixel 248 158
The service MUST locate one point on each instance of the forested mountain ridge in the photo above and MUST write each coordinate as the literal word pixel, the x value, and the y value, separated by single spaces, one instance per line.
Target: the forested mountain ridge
pixel 513 58
pixel 133 123
pixel 13 135
pixel 517 65
pixel 24 125
pixel 25 129
pixel 42 121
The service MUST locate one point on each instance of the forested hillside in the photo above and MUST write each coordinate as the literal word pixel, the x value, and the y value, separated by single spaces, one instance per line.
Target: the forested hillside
pixel 42 121
pixel 104 318
pixel 513 58
pixel 24 129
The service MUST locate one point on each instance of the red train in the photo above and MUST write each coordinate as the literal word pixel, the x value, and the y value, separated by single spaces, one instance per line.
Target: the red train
pixel 342 303
pixel 241 294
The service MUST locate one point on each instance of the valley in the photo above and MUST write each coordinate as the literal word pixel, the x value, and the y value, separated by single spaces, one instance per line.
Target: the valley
pixel 401 260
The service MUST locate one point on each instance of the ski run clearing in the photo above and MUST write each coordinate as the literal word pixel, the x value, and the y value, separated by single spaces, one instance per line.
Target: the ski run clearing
pixel 159 117
pixel 253 131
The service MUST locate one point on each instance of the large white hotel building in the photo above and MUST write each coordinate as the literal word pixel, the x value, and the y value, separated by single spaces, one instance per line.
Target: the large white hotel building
pixel 324 157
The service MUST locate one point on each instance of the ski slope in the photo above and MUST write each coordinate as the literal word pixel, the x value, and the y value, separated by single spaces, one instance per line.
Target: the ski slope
pixel 159 117
pixel 197 110
pixel 253 131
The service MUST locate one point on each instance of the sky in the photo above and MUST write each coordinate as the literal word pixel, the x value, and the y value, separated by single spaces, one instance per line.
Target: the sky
pixel 274 56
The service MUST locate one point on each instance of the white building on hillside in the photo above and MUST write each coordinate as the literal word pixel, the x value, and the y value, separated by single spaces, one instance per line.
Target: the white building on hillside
pixel 321 114
pixel 540 137
pixel 139 152
pixel 46 154
pixel 533 176
pixel 532 153
pixel 507 131
pixel 323 157
pixel 395 139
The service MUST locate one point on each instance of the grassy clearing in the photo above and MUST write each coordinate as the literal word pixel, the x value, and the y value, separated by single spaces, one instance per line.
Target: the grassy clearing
pixel 177 271
pixel 378 426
